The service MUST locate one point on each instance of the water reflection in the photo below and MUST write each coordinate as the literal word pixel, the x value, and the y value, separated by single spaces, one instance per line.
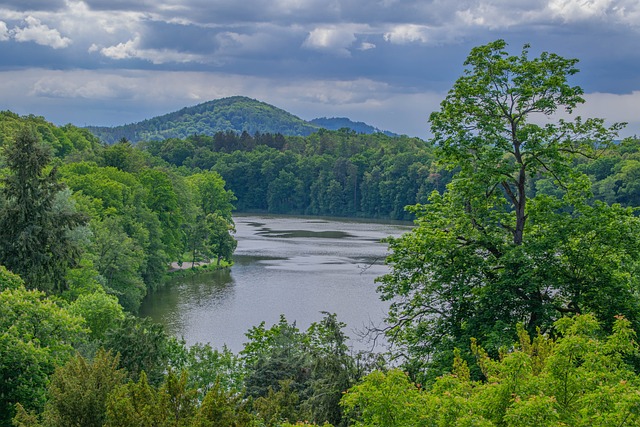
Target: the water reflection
pixel 298 267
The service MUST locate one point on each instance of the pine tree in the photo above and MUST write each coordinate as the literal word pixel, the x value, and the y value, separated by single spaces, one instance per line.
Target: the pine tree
pixel 34 229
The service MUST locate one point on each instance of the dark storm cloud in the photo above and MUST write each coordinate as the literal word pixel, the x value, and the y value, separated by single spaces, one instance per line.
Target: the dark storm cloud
pixel 31 5
pixel 121 5
pixel 188 38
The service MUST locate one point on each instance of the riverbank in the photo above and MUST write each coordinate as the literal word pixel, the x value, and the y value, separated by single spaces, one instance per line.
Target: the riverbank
pixel 192 268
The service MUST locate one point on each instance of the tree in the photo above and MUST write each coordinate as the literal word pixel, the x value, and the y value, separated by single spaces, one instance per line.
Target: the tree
pixel 79 389
pixel 294 375
pixel 333 370
pixel 223 408
pixel 171 405
pixel 385 399
pixel 36 335
pixel 118 259
pixel 134 403
pixel 210 194
pixel 273 355
pixel 221 243
pixel 143 347
pixel 9 280
pixel 100 311
pixel 163 200
pixel 580 378
pixel 35 239
pixel 208 367
pixel 489 252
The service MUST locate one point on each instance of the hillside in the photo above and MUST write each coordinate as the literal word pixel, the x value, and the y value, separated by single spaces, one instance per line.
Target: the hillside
pixel 236 114
pixel 336 123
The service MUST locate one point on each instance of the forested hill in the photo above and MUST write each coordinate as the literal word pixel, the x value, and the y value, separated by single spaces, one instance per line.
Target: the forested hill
pixel 236 114
pixel 337 123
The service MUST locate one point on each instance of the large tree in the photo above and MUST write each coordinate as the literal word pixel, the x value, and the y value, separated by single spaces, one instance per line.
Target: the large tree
pixel 36 335
pixel 496 248
pixel 35 223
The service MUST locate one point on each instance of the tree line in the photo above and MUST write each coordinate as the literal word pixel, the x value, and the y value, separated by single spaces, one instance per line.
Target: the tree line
pixel 77 215
pixel 335 173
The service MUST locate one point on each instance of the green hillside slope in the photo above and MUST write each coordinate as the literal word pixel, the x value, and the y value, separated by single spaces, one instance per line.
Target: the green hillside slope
pixel 235 114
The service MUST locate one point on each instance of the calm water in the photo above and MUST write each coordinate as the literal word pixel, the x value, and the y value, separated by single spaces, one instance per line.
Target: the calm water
pixel 298 267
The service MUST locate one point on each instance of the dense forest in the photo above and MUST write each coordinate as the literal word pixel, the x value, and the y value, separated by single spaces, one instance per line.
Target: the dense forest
pixel 515 299
pixel 339 173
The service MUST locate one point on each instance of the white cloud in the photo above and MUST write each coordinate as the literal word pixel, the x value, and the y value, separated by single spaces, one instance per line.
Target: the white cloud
pixel 336 40
pixel 367 46
pixel 407 33
pixel 4 32
pixel 620 11
pixel 36 31
pixel 125 50
pixel 579 9
pixel 131 50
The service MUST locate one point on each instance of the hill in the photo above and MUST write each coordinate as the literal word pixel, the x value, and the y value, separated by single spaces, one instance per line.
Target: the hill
pixel 335 123
pixel 237 114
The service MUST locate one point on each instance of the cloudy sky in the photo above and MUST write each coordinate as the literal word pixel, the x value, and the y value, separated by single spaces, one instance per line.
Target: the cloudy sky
pixel 386 62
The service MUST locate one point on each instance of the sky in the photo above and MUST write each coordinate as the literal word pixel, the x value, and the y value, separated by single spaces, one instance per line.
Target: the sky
pixel 388 63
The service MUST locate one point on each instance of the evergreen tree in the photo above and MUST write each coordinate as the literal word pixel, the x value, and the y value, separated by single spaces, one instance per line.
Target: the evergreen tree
pixel 34 231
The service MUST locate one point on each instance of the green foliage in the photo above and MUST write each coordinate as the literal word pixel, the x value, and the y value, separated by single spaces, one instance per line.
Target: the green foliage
pixel 143 347
pixel 210 194
pixel 122 156
pixel 66 141
pixel 340 123
pixel 35 236
pixel 489 252
pixel 134 404
pixel 178 400
pixel 118 259
pixel 222 408
pixel 141 221
pixel 277 406
pixel 385 399
pixel 209 232
pixel 220 242
pixel 275 354
pixel 616 174
pixel 507 233
pixel 578 379
pixel 171 405
pixel 78 391
pixel 326 173
pixel 296 375
pixel 100 311
pixel 208 367
pixel 36 335
pixel 134 258
pixel 9 280
pixel 162 199
pixel 333 370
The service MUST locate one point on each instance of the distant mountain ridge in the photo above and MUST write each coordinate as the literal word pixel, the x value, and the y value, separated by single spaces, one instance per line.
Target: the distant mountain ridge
pixel 335 123
pixel 236 114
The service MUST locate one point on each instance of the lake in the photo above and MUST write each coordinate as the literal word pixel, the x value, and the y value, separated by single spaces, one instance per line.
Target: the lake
pixel 296 266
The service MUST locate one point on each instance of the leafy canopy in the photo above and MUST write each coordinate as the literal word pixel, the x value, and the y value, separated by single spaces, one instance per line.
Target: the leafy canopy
pixel 494 250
